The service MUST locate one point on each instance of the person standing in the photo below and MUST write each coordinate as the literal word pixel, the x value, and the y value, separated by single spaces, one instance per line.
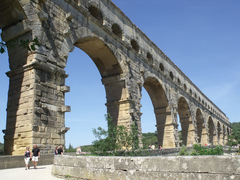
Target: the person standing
pixel 60 150
pixel 56 150
pixel 35 155
pixel 27 158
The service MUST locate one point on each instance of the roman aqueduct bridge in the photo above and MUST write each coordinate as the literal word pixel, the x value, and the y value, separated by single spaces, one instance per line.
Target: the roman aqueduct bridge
pixel 126 59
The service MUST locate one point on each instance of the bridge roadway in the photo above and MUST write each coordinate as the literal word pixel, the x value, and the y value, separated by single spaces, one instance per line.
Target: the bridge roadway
pixel 41 173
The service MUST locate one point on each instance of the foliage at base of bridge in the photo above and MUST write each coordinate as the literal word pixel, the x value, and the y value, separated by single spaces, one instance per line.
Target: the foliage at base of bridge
pixel 201 150
pixel 115 140
pixel 234 138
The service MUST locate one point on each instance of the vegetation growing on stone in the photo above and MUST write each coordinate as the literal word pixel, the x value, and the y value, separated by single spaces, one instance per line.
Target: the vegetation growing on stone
pixel 27 44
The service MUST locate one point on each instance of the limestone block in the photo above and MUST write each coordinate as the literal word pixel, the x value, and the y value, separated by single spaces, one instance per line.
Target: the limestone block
pixel 65 88
pixel 42 16
pixel 65 109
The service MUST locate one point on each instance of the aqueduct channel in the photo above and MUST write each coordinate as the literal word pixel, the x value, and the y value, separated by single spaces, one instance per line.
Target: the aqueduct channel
pixel 126 59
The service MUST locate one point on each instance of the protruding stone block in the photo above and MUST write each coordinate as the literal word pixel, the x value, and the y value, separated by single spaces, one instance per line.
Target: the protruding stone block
pixel 65 88
pixel 69 16
pixel 42 16
pixel 63 130
pixel 65 109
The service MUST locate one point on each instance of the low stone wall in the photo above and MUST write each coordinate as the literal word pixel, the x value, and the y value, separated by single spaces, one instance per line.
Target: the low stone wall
pixel 18 161
pixel 141 168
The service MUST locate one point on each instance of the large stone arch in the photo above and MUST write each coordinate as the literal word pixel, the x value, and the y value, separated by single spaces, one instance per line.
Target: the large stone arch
pixel 188 132
pixel 212 131
pixel 164 122
pixel 201 128
pixel 111 73
pixel 225 138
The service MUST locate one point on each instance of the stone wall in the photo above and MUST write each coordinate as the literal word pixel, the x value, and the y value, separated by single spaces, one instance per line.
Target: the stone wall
pixel 181 167
pixel 7 162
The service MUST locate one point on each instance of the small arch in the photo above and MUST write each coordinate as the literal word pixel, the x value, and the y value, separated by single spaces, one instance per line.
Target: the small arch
pixel 190 91
pixel 95 12
pixel 179 82
pixel 149 57
pixel 195 95
pixel 135 45
pixel 219 131
pixel 117 30
pixel 161 67
pixel 171 75
pixel 203 102
pixel 199 99
pixel 185 87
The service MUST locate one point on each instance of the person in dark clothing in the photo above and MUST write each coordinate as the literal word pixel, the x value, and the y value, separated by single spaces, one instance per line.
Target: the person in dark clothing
pixel 35 155
pixel 60 150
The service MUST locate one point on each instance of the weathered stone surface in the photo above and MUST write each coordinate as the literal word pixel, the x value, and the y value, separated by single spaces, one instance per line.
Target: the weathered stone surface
pixel 126 59
pixel 181 167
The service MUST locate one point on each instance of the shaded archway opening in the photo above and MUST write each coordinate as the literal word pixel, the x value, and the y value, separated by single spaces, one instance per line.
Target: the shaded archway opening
pixel 135 45
pixel 101 55
pixel 219 130
pixel 210 130
pixel 200 125
pixel 117 30
pixel 93 62
pixel 148 121
pixel 179 127
pixel 185 120
pixel 161 109
pixel 224 135
pixel 95 12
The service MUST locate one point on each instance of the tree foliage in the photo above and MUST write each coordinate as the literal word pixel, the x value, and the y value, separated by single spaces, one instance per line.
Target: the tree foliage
pixel 234 138
pixel 201 150
pixel 115 139
pixel 149 139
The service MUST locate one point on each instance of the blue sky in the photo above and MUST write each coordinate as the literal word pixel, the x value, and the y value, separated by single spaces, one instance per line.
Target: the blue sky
pixel 201 37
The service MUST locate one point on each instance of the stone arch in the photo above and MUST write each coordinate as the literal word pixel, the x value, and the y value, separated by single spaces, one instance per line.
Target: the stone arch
pixel 219 133
pixel 224 135
pixel 135 45
pixel 211 131
pixel 161 66
pixel 188 133
pixel 201 128
pixel 101 54
pixel 110 71
pixel 171 75
pixel 96 13
pixel 162 111
pixel 117 30
pixel 149 57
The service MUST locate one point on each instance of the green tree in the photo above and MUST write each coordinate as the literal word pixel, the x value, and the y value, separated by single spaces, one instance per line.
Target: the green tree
pixel 116 138
pixel 149 138
pixel 234 138
pixel 70 146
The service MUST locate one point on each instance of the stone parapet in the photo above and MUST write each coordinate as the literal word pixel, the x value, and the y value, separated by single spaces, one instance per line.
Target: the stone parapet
pixel 181 167
pixel 7 162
